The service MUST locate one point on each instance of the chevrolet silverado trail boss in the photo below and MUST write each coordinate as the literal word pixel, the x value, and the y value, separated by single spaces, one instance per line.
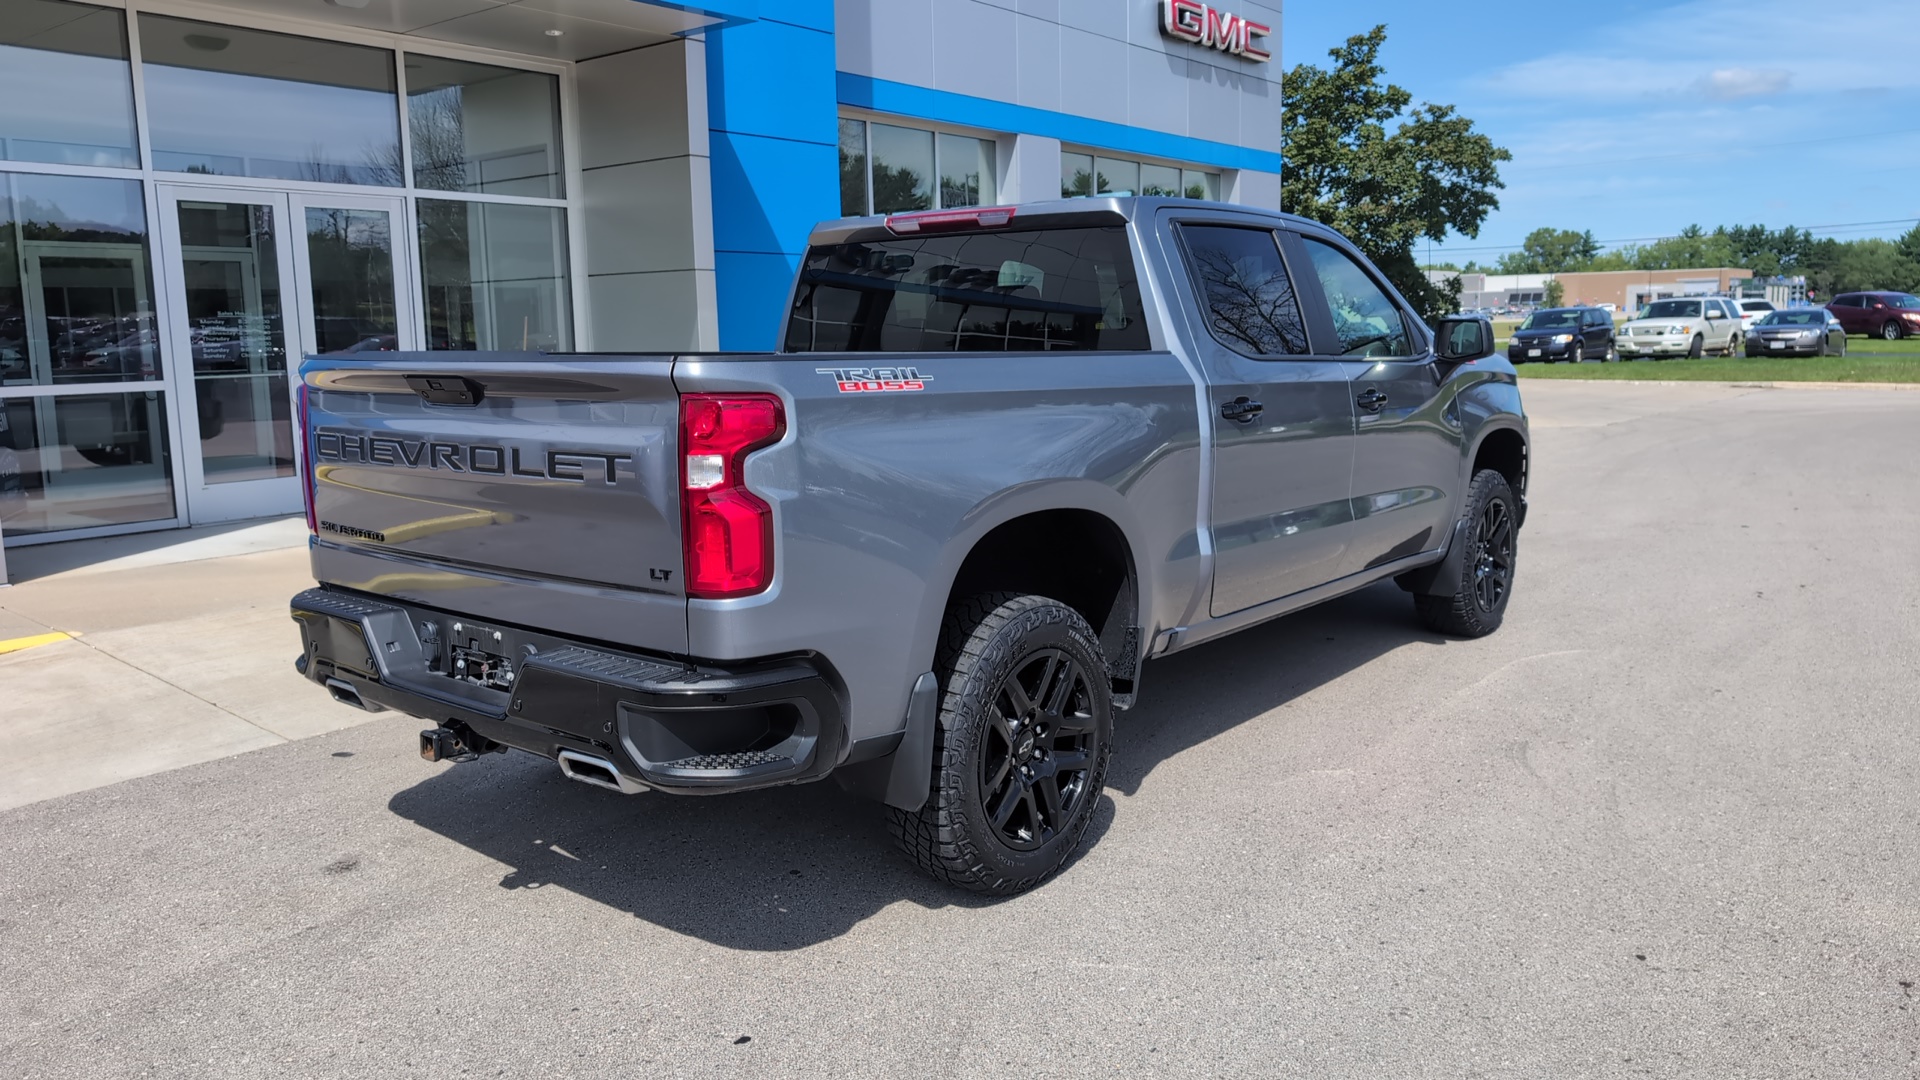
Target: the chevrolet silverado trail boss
pixel 1003 456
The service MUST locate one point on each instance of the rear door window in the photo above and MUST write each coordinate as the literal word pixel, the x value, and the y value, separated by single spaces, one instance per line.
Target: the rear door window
pixel 1018 291
pixel 1247 299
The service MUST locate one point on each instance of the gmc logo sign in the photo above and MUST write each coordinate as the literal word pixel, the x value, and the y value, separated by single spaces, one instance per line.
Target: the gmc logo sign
pixel 1191 20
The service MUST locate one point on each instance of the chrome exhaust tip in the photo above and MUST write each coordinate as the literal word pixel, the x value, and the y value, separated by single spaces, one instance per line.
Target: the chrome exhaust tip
pixel 596 771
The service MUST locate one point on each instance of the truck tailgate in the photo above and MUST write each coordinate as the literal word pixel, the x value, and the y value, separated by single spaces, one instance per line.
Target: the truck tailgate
pixel 500 485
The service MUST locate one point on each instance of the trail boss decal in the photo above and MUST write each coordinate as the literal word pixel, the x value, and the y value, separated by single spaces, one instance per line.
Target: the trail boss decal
pixel 879 380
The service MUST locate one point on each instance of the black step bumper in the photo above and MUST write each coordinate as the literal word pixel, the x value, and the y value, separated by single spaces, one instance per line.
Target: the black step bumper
pixel 668 723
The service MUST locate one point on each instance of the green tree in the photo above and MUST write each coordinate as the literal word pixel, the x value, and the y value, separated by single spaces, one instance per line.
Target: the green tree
pixel 1384 191
pixel 1556 293
pixel 1551 251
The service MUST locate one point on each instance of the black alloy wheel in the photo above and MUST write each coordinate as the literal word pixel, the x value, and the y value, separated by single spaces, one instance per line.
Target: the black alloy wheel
pixel 1038 758
pixel 1021 745
pixel 1493 555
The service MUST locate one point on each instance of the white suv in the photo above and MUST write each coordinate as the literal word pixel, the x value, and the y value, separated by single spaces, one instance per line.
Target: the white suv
pixel 1686 326
pixel 1752 311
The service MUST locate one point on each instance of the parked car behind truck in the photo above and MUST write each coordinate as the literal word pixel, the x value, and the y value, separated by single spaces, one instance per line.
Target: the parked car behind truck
pixel 1004 457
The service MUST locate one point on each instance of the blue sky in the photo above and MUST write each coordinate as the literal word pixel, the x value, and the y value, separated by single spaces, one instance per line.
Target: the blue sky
pixel 1635 118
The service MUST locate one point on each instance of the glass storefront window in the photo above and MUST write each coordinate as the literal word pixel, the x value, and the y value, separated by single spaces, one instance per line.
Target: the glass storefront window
pixel 1160 180
pixel 1200 185
pixel 966 171
pixel 1117 176
pixel 1076 175
pixel 66 92
pixel 231 269
pixel 495 276
pixel 76 292
pixel 1083 174
pixel 227 101
pixel 478 127
pixel 350 259
pixel 83 461
pixel 853 168
pixel 902 168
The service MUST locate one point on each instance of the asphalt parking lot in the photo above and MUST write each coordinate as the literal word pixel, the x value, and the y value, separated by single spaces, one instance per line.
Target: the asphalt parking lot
pixel 1665 823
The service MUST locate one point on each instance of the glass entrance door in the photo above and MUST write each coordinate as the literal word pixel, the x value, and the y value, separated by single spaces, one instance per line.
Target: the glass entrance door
pixel 258 280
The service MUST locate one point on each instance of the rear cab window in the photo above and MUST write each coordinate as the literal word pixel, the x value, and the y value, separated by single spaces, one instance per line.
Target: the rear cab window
pixel 1049 289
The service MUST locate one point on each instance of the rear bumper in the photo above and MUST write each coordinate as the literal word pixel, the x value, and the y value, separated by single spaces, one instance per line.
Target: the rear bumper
pixel 664 722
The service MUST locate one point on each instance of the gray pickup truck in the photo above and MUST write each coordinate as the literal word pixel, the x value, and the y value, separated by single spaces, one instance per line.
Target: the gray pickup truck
pixel 1003 457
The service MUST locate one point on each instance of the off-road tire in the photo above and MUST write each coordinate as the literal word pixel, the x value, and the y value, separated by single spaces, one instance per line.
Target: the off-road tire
pixel 1467 612
pixel 984 641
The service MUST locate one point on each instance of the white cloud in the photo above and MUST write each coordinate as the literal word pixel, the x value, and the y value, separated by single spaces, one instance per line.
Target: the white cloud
pixel 1732 84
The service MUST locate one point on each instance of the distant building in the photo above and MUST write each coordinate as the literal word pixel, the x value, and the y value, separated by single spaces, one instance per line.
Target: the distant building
pixel 1624 289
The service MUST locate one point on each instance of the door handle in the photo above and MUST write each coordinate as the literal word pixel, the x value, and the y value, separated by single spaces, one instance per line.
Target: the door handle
pixel 1240 409
pixel 1373 400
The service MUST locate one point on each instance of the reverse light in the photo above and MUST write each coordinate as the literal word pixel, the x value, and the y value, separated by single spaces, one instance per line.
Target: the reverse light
pixel 987 217
pixel 726 530
pixel 306 460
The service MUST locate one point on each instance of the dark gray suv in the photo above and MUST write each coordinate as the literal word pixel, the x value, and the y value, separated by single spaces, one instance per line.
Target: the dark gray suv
pixel 1575 333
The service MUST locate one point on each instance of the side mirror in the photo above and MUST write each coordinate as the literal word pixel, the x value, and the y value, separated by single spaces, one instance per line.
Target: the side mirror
pixel 1462 338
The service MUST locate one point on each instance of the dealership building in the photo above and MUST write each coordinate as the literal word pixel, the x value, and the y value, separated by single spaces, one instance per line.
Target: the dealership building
pixel 196 193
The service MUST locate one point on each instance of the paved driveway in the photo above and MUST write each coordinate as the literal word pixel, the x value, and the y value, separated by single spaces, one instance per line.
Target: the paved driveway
pixel 1666 823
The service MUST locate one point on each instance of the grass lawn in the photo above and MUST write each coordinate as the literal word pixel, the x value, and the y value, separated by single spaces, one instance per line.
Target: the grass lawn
pixel 1867 360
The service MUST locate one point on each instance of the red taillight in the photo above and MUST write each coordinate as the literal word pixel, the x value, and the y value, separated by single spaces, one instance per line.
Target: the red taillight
pixel 979 217
pixel 306 462
pixel 727 531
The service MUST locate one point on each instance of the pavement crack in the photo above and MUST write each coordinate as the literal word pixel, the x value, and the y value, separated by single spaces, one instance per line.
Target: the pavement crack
pixel 169 682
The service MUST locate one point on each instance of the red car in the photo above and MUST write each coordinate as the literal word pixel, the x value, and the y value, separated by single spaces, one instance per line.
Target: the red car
pixel 1889 315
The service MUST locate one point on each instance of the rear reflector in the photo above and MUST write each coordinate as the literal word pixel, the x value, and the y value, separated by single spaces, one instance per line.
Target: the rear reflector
pixel 727 531
pixel 987 217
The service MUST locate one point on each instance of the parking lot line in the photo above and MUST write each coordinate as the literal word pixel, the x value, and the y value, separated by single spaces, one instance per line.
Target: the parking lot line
pixel 12 645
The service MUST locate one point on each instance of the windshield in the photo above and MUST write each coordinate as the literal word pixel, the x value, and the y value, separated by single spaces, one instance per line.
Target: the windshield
pixel 1903 300
pixel 1795 318
pixel 1544 320
pixel 1673 309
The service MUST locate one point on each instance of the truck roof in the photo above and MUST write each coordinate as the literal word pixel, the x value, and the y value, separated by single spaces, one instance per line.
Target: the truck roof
pixel 1056 213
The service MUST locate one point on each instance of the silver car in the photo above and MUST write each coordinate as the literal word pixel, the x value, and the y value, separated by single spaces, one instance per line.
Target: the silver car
pixel 1797 332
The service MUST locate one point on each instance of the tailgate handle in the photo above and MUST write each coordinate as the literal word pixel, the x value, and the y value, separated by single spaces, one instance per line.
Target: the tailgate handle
pixel 447 389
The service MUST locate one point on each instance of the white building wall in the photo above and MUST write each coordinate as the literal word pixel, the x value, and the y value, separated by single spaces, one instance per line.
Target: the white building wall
pixel 1101 59
pixel 647 199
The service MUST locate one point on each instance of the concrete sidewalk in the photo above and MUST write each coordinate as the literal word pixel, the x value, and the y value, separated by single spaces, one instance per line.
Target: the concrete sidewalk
pixel 179 650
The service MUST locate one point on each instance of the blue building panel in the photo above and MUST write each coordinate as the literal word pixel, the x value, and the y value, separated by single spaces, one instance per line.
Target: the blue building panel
pixel 774 140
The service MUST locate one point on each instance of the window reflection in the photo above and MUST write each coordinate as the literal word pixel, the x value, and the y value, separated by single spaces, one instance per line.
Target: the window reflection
pixel 232 102
pixel 83 462
pixel 478 127
pixel 1251 305
pixel 495 276
pixel 66 92
pixel 229 262
pixel 902 168
pixel 966 171
pixel 76 296
pixel 853 168
pixel 350 259
pixel 1368 324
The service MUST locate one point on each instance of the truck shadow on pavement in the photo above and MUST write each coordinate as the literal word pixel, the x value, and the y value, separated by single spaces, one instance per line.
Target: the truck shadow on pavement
pixel 792 867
